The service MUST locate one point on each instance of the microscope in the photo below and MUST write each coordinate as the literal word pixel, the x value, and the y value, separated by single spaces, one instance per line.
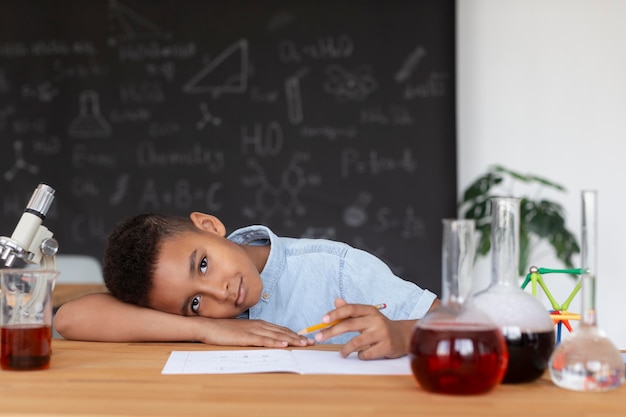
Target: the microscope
pixel 31 241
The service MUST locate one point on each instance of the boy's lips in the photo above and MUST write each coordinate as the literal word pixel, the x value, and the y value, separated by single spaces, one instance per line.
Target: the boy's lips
pixel 241 293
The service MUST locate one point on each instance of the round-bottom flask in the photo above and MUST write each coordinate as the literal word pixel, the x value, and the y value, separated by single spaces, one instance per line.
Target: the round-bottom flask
pixel 587 360
pixel 456 349
pixel 525 323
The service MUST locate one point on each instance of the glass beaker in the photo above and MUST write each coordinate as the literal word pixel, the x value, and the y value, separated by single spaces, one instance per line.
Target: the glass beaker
pixel 523 320
pixel 587 360
pixel 456 349
pixel 26 318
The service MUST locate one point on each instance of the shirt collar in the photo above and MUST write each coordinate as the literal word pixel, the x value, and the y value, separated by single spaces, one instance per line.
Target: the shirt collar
pixel 276 260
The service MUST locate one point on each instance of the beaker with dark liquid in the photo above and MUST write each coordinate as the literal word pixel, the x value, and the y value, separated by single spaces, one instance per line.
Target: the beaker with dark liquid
pixel 26 318
pixel 523 320
pixel 456 349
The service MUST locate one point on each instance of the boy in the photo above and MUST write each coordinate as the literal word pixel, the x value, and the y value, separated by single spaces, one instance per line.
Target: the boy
pixel 173 278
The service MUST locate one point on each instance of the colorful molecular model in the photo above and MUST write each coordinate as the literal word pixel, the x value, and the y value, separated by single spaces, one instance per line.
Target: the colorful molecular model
pixel 559 313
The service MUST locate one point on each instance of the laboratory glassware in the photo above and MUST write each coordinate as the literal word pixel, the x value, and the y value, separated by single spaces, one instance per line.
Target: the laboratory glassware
pixel 455 348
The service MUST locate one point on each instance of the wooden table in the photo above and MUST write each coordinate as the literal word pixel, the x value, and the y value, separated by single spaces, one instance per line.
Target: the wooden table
pixel 124 379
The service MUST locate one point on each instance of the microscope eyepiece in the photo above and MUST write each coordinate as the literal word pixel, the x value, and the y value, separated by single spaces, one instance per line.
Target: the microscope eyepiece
pixel 40 201
pixel 31 241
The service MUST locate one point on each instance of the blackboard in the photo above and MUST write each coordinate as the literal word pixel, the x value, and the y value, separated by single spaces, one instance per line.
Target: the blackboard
pixel 332 119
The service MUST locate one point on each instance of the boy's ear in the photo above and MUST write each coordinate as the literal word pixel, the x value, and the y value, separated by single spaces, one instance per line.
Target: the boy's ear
pixel 208 223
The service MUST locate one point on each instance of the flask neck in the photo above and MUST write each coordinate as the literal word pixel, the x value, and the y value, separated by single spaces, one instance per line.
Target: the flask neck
pixel 457 260
pixel 505 224
pixel 589 256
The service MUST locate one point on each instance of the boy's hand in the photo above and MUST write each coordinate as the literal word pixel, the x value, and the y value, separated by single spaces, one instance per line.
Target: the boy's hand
pixel 379 338
pixel 234 332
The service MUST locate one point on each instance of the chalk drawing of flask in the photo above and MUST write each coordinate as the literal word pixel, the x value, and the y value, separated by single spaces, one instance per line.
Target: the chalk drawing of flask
pixel 89 123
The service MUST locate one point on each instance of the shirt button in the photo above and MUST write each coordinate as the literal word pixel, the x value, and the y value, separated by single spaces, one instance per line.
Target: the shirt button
pixel 266 296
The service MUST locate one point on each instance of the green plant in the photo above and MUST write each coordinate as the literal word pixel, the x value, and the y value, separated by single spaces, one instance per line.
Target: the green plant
pixel 540 219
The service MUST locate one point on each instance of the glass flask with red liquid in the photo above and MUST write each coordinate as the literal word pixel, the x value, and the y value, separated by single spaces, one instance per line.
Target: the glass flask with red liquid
pixel 588 360
pixel 525 323
pixel 456 349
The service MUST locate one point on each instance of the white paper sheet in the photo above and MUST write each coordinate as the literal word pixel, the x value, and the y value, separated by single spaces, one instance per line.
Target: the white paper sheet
pixel 278 360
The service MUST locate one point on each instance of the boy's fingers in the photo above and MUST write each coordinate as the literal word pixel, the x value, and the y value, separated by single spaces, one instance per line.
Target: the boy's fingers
pixel 340 302
pixel 261 333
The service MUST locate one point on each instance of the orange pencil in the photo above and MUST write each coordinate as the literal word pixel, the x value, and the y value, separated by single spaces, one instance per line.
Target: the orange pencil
pixel 321 326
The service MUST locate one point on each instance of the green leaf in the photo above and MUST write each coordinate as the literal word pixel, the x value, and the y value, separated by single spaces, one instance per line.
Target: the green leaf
pixel 515 175
pixel 524 253
pixel 476 211
pixel 481 187
pixel 484 244
pixel 547 183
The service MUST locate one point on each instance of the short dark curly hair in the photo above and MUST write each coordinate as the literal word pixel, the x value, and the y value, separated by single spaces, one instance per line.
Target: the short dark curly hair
pixel 131 252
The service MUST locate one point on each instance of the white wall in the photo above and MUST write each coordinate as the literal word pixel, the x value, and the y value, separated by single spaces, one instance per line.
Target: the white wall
pixel 541 87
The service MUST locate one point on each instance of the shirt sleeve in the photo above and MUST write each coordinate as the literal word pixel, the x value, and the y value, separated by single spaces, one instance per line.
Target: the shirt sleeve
pixel 365 279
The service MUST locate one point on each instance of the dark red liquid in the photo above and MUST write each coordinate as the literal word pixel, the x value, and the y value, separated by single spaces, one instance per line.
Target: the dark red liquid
pixel 25 347
pixel 458 358
pixel 529 354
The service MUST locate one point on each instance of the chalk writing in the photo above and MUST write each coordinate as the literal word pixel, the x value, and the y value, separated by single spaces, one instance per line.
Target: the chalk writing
pixel 207 118
pixel 84 156
pixel 294 96
pixel 89 123
pixel 329 132
pixel 348 85
pixel 409 66
pixel 24 126
pixel 182 196
pixel 47 145
pixel 121 190
pixel 43 92
pixel 279 199
pixel 435 86
pixel 393 116
pixel 85 228
pixel 46 48
pixel 264 142
pixel 355 215
pixel 130 115
pixel 354 162
pixel 227 73
pixel 20 163
pixel 324 47
pixel 144 92
pixel 148 155
pixel 61 70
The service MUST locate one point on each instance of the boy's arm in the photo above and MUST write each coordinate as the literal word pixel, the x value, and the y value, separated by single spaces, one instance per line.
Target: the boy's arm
pixel 103 318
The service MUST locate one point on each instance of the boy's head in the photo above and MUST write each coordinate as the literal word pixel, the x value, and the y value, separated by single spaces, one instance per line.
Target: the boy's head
pixel 131 253
pixel 182 266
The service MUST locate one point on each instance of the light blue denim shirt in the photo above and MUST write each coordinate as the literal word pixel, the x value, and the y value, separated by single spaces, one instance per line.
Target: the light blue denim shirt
pixel 302 278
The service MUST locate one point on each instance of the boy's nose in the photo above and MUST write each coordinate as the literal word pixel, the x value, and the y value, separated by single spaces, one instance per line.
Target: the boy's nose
pixel 220 292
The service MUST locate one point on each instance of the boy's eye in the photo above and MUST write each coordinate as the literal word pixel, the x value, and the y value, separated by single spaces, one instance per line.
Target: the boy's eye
pixel 204 264
pixel 195 303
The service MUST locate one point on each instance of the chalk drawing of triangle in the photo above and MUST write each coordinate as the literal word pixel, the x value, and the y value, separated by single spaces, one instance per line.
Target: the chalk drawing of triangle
pixel 131 25
pixel 227 73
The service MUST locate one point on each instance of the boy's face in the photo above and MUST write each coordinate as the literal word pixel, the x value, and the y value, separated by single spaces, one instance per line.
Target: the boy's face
pixel 203 273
